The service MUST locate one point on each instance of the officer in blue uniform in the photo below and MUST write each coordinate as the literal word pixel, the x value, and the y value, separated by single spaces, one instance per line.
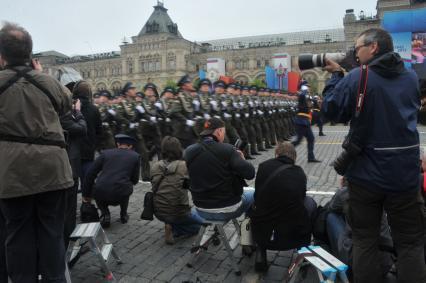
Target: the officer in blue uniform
pixel 302 122
pixel 317 115
pixel 115 171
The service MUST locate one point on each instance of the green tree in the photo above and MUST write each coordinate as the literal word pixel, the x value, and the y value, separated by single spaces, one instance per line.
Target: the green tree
pixel 258 83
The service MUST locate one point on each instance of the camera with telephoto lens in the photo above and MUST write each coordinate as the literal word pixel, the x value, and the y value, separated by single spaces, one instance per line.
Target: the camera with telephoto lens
pixel 342 162
pixel 347 60
pixel 240 145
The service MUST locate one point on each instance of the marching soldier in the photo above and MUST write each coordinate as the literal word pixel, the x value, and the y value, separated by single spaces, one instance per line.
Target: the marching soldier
pixel 163 104
pixel 182 114
pixel 131 111
pixel 227 115
pixel 108 122
pixel 248 120
pixel 201 104
pixel 149 120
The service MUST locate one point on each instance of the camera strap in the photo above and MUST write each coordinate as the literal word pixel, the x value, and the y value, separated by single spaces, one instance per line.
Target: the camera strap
pixel 362 90
pixel 24 74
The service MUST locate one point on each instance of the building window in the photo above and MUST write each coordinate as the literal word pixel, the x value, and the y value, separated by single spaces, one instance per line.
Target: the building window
pixel 171 61
pixel 157 66
pixel 130 67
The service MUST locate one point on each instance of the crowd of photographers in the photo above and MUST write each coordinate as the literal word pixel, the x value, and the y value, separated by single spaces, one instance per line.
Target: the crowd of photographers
pixel 202 141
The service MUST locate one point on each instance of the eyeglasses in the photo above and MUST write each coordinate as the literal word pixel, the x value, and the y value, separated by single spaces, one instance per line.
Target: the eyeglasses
pixel 357 48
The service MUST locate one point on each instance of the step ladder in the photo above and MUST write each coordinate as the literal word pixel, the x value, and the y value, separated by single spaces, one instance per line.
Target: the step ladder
pixel 327 266
pixel 88 233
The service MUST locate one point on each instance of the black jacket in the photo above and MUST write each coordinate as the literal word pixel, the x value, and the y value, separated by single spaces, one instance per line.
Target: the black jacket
pixel 94 129
pixel 118 171
pixel 214 177
pixel 280 206
pixel 75 128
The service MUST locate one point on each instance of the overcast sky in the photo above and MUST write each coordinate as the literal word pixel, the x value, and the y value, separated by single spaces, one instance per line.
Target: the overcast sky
pixel 92 26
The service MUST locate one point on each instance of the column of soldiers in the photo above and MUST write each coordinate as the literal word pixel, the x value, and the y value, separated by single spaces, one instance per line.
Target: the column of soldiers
pixel 258 118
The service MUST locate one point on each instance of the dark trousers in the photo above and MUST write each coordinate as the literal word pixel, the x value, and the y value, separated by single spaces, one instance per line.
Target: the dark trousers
pixel 85 166
pixel 3 269
pixel 406 217
pixel 70 212
pixel 306 131
pixel 34 237
pixel 103 206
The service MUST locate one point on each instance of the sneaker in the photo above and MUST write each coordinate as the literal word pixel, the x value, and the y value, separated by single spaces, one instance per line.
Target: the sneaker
pixel 322 135
pixel 168 234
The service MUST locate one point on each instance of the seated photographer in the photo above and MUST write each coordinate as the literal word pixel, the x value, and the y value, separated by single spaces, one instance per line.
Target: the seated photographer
pixel 170 188
pixel 116 171
pixel 216 174
pixel 282 214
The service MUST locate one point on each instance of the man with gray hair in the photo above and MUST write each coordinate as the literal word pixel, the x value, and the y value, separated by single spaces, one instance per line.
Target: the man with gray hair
pixel 381 99
pixel 35 171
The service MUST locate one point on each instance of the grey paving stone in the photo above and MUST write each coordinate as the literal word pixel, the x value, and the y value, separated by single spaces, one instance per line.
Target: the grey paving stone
pixel 146 258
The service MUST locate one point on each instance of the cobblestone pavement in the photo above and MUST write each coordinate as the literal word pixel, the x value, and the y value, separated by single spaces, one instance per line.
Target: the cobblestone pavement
pixel 146 258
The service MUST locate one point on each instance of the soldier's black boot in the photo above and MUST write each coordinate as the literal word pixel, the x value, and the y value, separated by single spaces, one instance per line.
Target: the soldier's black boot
pixel 254 149
pixel 261 146
pixel 247 154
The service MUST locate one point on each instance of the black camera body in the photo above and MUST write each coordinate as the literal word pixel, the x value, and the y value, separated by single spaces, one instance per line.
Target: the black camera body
pixel 344 160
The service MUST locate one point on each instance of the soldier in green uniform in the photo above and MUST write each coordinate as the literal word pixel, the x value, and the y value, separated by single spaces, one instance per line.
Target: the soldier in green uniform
pixel 107 139
pixel 130 110
pixel 227 114
pixel 163 104
pixel 182 114
pixel 201 104
pixel 149 122
pixel 255 115
pixel 248 120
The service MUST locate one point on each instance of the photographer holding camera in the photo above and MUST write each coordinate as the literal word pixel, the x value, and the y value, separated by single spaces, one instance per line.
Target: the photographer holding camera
pixel 381 154
pixel 35 172
pixel 216 174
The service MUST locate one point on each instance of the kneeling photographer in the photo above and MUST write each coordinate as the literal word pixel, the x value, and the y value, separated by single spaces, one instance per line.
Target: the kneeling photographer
pixel 380 159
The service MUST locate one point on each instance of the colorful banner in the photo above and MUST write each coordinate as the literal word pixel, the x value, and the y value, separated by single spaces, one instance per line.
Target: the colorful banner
pixel 282 65
pixel 215 68
pixel 402 45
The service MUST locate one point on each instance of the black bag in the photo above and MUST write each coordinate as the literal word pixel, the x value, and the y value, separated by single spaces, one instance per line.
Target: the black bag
pixel 148 207
pixel 319 225
pixel 88 213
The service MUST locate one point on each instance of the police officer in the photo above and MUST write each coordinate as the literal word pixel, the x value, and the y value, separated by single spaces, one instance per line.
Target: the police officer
pixel 303 122
pixel 118 171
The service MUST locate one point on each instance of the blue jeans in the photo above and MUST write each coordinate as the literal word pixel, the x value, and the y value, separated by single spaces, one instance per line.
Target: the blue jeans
pixel 247 200
pixel 335 229
pixel 188 225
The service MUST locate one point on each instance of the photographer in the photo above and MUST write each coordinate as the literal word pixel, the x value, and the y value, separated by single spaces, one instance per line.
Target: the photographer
pixel 216 173
pixel 35 171
pixel 381 157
